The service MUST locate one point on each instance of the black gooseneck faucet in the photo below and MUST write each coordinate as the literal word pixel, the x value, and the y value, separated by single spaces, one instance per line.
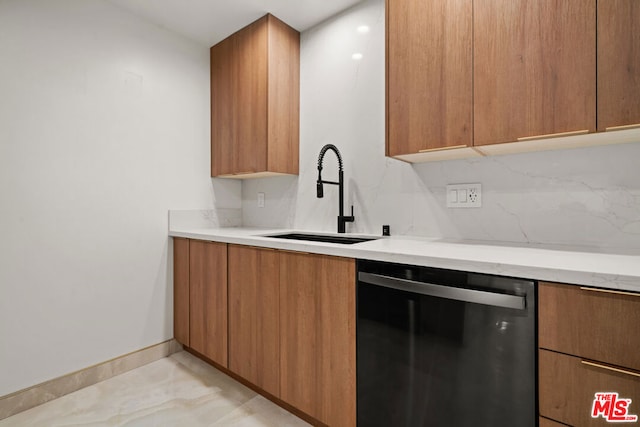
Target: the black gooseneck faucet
pixel 342 219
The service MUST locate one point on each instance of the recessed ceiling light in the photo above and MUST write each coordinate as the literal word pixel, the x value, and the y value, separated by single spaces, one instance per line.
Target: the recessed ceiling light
pixel 357 56
pixel 362 29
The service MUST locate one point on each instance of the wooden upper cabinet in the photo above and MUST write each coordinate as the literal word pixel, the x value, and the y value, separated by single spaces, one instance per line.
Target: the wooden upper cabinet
pixel 618 63
pixel 534 68
pixel 255 98
pixel 208 299
pixel 254 309
pixel 222 107
pixel 429 75
pixel 181 290
pixel 317 340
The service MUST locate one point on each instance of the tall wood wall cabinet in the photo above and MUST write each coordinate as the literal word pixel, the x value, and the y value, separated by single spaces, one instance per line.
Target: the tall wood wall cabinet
pixel 255 101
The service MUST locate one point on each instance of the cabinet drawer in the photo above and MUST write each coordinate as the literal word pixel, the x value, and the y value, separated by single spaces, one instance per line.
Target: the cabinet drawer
pixel 568 387
pixel 592 324
pixel 544 422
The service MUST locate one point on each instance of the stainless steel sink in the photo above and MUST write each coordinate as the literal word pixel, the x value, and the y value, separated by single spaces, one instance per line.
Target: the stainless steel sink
pixel 343 240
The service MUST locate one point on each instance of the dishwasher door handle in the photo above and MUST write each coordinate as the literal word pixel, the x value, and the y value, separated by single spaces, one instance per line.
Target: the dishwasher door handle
pixel 447 292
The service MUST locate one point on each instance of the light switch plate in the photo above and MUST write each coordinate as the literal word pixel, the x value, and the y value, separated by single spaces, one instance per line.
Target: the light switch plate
pixel 464 195
pixel 261 200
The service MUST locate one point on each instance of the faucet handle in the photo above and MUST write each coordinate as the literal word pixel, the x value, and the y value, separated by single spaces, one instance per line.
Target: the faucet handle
pixel 350 218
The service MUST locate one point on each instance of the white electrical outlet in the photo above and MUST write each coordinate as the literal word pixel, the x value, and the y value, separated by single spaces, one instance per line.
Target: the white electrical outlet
pixel 261 200
pixel 464 195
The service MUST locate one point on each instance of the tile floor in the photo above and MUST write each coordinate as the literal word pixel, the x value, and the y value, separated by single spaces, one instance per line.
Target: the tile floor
pixel 180 390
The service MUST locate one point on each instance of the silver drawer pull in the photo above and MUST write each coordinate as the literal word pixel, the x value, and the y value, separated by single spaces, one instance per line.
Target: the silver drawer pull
pixel 447 292
pixel 609 291
pixel 609 368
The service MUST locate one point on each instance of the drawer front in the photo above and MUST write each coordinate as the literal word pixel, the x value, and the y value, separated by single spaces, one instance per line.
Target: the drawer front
pixel 568 387
pixel 591 324
pixel 544 422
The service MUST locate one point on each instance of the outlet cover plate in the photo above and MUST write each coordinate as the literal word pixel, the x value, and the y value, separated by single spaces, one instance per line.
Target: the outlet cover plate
pixel 464 195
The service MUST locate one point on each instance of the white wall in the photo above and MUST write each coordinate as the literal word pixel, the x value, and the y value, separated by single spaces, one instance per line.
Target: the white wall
pixel 103 127
pixel 585 197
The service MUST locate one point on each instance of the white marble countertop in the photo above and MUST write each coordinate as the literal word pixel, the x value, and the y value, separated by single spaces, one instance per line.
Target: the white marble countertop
pixel 573 265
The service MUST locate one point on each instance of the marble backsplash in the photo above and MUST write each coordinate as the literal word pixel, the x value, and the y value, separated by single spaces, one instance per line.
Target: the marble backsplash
pixel 205 218
pixel 587 196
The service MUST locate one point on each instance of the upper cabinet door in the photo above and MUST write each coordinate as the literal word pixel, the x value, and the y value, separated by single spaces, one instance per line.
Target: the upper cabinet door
pixel 222 111
pixel 249 102
pixel 239 102
pixel 429 75
pixel 534 68
pixel 283 103
pixel 618 63
pixel 255 98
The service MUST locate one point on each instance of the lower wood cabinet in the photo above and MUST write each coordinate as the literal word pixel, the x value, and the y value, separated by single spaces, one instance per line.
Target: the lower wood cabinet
pixel 317 336
pixel 208 299
pixel 590 323
pixel 283 321
pixel 569 384
pixel 589 344
pixel 286 322
pixel 181 290
pixel 254 331
pixel 544 422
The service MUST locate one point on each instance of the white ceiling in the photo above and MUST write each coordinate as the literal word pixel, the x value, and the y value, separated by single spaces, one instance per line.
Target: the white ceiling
pixel 209 21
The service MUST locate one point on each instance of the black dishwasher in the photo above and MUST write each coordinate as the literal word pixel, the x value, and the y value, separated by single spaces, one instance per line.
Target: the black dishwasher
pixel 444 348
